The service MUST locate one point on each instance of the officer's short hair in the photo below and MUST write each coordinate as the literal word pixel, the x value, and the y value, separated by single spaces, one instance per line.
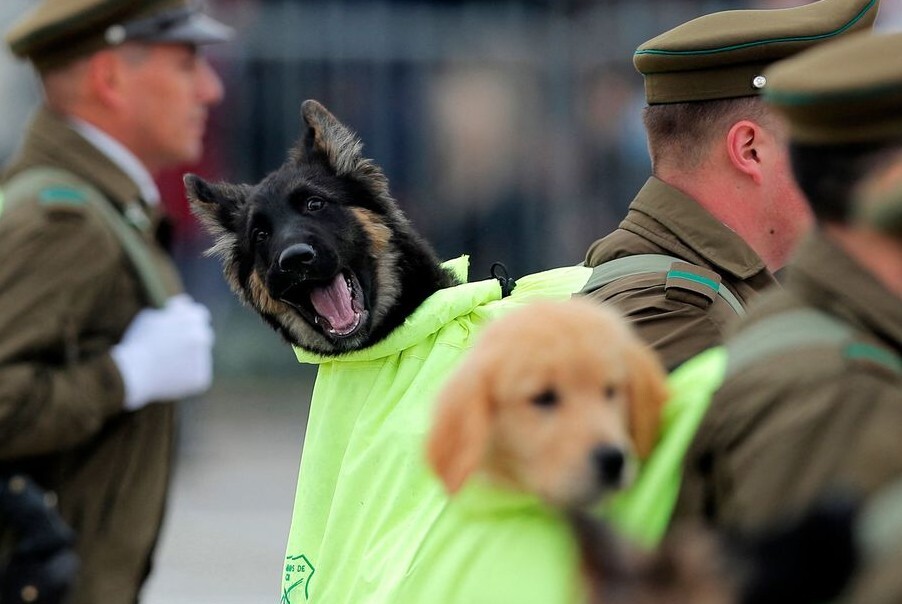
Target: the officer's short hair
pixel 681 134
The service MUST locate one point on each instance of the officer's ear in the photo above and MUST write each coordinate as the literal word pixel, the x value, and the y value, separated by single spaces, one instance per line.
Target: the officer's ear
pixel 108 74
pixel 746 145
pixel 103 72
pixel 219 206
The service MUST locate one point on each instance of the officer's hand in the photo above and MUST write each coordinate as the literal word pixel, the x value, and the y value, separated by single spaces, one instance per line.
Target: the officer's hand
pixel 166 353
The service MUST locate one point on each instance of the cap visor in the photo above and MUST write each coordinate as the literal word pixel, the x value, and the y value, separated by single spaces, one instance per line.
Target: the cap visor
pixel 197 29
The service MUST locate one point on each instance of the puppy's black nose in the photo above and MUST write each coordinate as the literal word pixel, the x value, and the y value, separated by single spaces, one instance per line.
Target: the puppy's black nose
pixel 609 462
pixel 297 257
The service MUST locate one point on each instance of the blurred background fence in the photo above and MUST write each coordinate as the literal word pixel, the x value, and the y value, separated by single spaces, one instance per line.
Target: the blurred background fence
pixel 509 130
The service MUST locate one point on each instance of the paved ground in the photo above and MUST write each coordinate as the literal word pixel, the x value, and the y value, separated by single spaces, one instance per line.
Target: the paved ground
pixel 230 508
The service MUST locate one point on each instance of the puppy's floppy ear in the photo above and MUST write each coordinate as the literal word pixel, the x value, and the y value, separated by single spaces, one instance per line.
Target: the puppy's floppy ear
pixel 647 395
pixel 218 206
pixel 326 138
pixel 460 432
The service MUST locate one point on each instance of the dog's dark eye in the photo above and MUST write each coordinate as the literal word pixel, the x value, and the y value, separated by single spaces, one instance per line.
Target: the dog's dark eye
pixel 610 391
pixel 315 203
pixel 259 235
pixel 547 398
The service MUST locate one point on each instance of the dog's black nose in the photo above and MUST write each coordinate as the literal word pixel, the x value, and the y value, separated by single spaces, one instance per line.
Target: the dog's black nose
pixel 297 257
pixel 609 462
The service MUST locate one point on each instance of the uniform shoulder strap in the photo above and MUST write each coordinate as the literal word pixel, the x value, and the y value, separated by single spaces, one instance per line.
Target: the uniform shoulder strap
pixel 801 328
pixel 674 270
pixel 51 185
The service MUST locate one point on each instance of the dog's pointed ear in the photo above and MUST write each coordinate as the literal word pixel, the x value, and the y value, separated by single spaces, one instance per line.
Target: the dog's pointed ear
pixel 459 438
pixel 326 138
pixel 217 205
pixel 647 395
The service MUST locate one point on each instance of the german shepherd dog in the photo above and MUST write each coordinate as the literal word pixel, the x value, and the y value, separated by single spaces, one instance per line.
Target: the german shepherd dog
pixel 319 248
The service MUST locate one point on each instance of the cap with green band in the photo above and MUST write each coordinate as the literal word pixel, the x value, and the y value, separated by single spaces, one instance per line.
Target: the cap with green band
pixel 723 55
pixel 849 91
pixel 57 31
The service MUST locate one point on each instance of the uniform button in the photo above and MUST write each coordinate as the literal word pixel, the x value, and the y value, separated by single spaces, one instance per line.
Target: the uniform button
pixel 17 484
pixel 50 499
pixel 759 81
pixel 29 593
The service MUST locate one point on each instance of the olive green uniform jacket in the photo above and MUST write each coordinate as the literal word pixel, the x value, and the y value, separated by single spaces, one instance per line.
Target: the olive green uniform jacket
pixel 797 422
pixel 68 294
pixel 678 322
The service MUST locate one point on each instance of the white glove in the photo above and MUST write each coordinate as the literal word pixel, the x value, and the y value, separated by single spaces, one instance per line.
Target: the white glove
pixel 166 353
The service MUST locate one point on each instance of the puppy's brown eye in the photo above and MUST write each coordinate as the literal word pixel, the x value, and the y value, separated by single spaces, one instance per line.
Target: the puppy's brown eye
pixel 315 203
pixel 259 235
pixel 547 398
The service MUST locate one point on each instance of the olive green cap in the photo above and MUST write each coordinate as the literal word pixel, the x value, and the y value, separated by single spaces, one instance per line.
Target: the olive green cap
pixel 57 31
pixel 845 92
pixel 722 55
pixel 878 204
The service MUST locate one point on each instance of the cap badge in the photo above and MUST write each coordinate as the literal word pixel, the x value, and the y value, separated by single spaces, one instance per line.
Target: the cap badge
pixel 114 35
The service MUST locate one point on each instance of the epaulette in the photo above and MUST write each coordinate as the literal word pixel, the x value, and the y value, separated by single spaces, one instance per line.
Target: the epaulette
pixel 61 195
pixel 801 328
pixel 689 277
pixel 878 356
pixel 677 274
pixel 52 197
pixel 58 191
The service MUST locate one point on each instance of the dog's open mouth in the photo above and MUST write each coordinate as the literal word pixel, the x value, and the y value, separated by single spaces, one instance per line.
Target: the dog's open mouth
pixel 336 307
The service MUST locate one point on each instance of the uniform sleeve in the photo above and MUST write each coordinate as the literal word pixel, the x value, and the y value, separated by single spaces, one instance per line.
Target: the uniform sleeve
pixel 696 500
pixel 55 268
pixel 770 448
pixel 678 329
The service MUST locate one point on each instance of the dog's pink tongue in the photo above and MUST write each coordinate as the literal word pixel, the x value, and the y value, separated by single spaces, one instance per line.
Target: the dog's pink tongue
pixel 333 303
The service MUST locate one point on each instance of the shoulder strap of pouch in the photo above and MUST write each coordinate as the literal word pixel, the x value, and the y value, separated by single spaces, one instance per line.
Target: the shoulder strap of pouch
pixel 800 328
pixel 30 183
pixel 640 264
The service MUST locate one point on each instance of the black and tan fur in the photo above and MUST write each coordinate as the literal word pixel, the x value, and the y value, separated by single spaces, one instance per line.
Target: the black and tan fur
pixel 323 229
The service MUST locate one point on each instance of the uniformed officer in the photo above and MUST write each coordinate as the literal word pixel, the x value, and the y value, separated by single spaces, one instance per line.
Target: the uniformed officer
pixel 812 398
pixel 95 333
pixel 721 211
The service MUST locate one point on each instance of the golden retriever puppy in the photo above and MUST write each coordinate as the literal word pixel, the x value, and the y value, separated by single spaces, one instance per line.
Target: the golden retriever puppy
pixel 556 398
